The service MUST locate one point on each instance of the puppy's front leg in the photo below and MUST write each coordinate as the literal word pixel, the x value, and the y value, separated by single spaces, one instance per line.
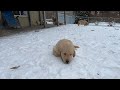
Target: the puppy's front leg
pixel 74 54
pixel 76 46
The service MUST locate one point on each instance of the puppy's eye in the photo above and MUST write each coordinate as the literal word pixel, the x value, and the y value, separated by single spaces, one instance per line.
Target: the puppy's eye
pixel 70 54
pixel 64 53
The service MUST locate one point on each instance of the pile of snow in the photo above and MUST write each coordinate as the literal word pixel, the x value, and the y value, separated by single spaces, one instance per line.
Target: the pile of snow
pixel 49 21
pixel 29 55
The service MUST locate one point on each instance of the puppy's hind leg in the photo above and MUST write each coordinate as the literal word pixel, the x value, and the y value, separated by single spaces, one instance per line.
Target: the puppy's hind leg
pixel 56 52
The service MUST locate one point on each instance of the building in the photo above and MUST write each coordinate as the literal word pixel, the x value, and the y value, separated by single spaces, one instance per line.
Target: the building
pixel 34 18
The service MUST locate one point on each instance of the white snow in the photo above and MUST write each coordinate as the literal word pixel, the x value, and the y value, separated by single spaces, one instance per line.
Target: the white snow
pixel 49 22
pixel 97 58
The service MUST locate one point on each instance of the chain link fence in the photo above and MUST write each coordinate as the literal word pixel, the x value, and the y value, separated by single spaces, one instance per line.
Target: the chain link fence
pixel 109 21
pixel 100 21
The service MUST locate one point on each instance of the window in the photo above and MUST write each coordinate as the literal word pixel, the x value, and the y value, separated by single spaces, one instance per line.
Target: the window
pixel 20 13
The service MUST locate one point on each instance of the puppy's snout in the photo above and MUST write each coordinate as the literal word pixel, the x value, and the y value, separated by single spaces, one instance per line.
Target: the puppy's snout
pixel 67 61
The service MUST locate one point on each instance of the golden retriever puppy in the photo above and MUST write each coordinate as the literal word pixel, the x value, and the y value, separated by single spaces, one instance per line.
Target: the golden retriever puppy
pixel 82 22
pixel 65 49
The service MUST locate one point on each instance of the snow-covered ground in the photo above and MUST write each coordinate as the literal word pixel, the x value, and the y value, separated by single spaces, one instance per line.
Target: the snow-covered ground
pixel 97 58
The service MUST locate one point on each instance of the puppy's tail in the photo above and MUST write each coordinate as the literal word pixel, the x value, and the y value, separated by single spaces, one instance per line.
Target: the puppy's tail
pixel 76 46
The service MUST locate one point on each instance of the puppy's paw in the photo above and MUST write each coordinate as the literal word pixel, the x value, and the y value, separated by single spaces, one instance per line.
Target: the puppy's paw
pixel 76 46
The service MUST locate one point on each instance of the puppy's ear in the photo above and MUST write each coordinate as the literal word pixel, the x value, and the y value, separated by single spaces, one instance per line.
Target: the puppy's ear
pixel 74 54
pixel 76 46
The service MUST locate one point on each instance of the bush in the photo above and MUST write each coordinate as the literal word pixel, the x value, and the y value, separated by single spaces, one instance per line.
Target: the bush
pixel 81 15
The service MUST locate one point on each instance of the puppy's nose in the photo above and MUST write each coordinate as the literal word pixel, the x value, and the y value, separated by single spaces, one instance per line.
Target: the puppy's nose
pixel 67 61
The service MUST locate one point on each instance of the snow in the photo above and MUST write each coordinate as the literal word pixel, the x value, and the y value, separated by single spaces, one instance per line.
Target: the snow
pixel 49 22
pixel 97 58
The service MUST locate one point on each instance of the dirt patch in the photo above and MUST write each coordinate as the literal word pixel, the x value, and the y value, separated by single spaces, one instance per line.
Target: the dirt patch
pixel 7 32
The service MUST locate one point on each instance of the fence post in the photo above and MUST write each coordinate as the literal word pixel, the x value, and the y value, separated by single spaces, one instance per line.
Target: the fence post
pixel 57 18
pixel 29 18
pixel 64 17
pixel 88 19
pixel 44 19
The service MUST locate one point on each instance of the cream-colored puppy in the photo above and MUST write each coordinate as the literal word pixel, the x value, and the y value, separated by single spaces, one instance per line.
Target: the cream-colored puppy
pixel 65 49
pixel 82 22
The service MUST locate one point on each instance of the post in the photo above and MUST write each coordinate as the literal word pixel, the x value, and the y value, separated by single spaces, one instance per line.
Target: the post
pixel 88 19
pixel 29 18
pixel 57 18
pixel 64 18
pixel 44 19
pixel 39 17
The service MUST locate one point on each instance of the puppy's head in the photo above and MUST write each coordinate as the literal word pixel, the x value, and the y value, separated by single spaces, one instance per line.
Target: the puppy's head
pixel 68 55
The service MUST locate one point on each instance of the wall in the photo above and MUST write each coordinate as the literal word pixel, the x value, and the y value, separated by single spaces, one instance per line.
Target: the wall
pixel 24 21
pixel 49 14
pixel 34 15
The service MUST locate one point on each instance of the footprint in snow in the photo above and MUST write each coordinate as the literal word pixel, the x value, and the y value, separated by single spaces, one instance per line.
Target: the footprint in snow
pixel 111 52
pixel 15 67
pixel 103 47
pixel 112 36
pixel 115 43
pixel 119 39
pixel 98 74
pixel 36 30
pixel 116 29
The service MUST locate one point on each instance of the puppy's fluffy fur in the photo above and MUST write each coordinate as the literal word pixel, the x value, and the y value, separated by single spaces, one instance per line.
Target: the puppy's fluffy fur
pixel 65 49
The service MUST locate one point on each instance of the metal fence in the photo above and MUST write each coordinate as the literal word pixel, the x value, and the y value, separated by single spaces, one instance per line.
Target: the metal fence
pixel 109 21
pixel 103 19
